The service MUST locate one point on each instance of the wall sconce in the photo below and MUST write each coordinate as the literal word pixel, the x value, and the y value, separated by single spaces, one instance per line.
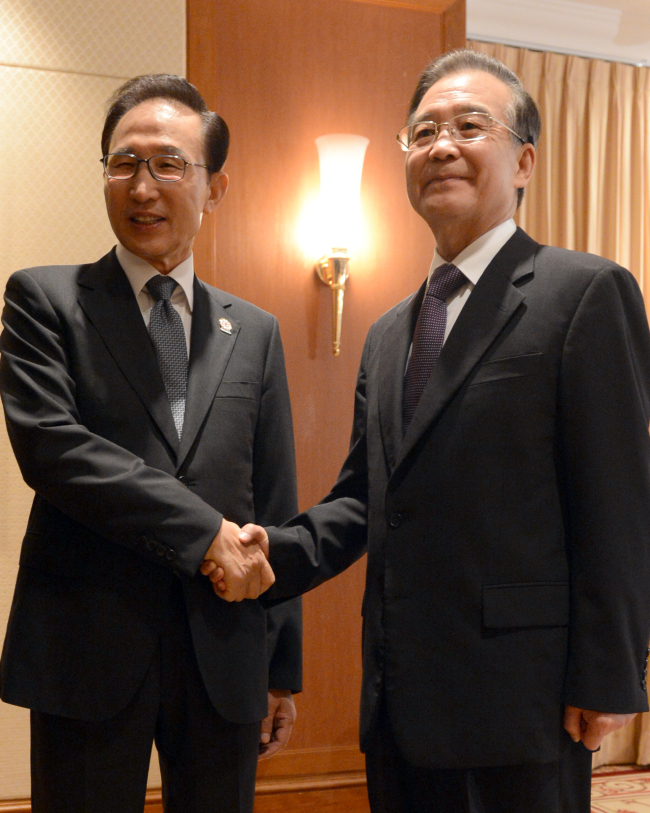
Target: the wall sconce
pixel 341 161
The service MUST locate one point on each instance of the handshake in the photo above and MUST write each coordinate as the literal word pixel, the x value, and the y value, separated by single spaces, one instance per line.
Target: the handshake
pixel 237 562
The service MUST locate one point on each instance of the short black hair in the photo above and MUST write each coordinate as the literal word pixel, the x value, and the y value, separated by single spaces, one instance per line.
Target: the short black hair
pixel 174 89
pixel 522 112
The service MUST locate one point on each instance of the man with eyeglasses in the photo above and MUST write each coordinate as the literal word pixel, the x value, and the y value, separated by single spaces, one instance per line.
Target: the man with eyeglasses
pixel 499 479
pixel 147 409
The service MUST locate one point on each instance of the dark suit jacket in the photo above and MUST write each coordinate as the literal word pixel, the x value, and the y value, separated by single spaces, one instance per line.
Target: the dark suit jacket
pixel 122 510
pixel 508 533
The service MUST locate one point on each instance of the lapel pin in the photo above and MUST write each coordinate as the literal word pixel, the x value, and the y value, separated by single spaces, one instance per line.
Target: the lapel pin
pixel 225 326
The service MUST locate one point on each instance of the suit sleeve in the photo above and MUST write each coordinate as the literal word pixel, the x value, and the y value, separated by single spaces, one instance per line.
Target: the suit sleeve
pixel 90 479
pixel 604 400
pixel 325 540
pixel 275 497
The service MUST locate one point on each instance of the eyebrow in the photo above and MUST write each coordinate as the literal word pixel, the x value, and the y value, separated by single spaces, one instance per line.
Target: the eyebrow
pixel 160 149
pixel 458 111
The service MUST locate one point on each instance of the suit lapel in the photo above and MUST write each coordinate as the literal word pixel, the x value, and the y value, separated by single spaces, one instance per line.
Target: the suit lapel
pixel 393 353
pixel 211 348
pixel 107 300
pixel 488 310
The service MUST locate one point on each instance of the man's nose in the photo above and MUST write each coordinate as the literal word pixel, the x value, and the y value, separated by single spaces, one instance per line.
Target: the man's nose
pixel 143 184
pixel 443 144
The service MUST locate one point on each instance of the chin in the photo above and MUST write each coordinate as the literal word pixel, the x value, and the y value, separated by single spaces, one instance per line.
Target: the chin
pixel 444 210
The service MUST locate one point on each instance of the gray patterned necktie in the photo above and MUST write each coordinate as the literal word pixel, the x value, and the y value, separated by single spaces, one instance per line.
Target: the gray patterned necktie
pixel 168 337
pixel 429 336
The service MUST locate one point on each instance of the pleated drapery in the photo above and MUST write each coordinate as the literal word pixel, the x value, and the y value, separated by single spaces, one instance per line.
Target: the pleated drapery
pixel 591 192
pixel 591 186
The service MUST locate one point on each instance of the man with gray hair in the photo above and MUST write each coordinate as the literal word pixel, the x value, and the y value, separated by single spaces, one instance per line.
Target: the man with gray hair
pixel 499 479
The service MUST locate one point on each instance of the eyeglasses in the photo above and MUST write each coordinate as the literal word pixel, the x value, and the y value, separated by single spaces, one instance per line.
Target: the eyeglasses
pixel 121 166
pixel 466 127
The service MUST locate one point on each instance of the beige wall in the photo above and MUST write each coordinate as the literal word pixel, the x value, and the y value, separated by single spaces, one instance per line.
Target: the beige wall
pixel 59 62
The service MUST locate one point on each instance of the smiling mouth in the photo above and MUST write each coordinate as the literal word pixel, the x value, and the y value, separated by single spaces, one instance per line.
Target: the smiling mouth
pixel 146 220
pixel 447 178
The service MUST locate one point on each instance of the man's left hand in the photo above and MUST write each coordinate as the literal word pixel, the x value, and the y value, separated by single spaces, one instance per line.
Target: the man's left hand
pixel 277 726
pixel 592 726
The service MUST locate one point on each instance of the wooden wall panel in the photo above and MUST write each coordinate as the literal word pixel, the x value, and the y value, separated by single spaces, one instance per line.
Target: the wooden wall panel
pixel 282 73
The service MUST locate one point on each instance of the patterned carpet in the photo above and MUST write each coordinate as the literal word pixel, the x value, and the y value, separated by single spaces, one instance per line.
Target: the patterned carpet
pixel 620 790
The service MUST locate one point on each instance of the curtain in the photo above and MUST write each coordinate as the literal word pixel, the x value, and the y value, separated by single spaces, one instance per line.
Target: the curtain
pixel 591 187
pixel 590 191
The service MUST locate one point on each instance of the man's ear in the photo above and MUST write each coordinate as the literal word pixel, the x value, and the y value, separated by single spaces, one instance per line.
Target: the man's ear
pixel 218 187
pixel 525 167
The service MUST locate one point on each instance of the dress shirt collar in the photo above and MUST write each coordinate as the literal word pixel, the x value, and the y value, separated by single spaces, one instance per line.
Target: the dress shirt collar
pixel 474 259
pixel 139 272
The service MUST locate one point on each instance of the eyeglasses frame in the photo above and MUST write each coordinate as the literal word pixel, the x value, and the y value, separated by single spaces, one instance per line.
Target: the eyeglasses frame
pixel 451 129
pixel 186 164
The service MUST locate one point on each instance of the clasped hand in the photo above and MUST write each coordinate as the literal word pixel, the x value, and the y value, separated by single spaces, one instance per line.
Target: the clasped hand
pixel 237 563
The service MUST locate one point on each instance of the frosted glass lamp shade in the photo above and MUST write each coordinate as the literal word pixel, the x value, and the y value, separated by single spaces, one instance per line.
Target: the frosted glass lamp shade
pixel 341 162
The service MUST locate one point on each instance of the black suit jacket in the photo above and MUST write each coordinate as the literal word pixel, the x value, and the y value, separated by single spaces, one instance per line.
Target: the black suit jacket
pixel 122 510
pixel 508 533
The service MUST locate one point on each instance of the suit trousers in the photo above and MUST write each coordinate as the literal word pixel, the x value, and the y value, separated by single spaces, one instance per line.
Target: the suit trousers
pixel 207 763
pixel 395 786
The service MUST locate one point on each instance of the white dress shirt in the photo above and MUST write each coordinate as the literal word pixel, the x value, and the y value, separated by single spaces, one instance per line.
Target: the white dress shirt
pixel 473 261
pixel 139 272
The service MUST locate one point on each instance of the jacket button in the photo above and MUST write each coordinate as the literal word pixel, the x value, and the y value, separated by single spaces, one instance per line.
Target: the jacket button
pixel 170 554
pixel 160 549
pixel 396 520
pixel 151 544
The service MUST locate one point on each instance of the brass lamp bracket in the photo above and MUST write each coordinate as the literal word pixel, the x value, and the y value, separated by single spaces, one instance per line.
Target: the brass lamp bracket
pixel 332 269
